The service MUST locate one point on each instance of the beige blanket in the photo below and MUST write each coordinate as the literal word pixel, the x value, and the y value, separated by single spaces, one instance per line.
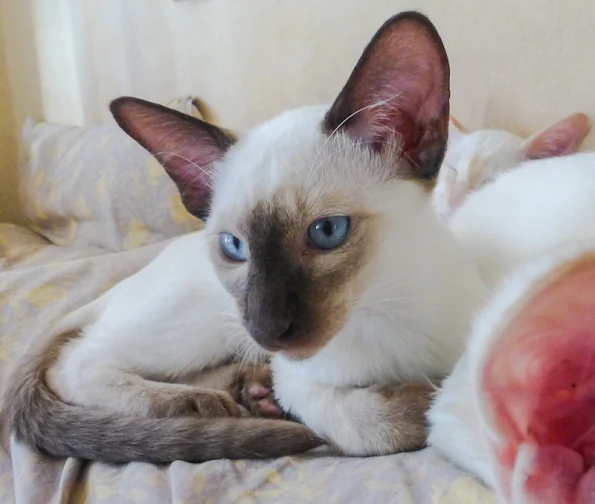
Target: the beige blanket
pixel 40 282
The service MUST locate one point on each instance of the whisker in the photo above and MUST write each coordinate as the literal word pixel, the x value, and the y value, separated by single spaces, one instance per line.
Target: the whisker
pixel 334 132
pixel 166 155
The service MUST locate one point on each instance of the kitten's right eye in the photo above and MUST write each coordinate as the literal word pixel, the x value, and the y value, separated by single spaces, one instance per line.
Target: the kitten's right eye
pixel 233 248
pixel 329 233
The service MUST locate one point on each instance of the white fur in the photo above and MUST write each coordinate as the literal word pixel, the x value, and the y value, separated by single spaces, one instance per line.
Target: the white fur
pixel 169 320
pixel 530 221
pixel 472 160
pixel 528 211
pixel 174 318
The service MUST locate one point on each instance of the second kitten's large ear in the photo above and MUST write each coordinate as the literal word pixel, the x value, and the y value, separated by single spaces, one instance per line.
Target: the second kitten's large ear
pixel 186 147
pixel 559 139
pixel 399 92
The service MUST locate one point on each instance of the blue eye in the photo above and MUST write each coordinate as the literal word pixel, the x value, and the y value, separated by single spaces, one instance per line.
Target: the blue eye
pixel 329 232
pixel 232 247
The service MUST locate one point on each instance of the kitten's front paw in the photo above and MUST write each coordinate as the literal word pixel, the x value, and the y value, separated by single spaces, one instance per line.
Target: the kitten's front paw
pixel 381 420
pixel 199 402
pixel 215 404
pixel 254 391
pixel 404 408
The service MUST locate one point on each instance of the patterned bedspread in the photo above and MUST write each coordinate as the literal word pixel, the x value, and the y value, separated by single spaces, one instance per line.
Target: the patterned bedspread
pixel 40 282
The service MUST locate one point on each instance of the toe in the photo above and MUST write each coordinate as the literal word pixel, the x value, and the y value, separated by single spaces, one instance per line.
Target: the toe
pixel 258 391
pixel 269 409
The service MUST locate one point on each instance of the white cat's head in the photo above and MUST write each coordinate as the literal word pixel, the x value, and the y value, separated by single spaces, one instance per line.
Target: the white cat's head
pixel 321 211
pixel 475 158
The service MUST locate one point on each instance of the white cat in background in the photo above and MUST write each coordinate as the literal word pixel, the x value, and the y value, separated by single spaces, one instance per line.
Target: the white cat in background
pixel 474 158
pixel 519 408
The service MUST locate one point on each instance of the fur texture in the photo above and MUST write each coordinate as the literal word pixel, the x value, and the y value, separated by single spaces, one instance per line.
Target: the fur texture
pixel 357 331
pixel 517 410
pixel 547 206
pixel 476 158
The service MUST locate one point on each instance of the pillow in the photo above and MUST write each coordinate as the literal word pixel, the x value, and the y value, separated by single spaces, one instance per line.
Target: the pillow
pixel 95 187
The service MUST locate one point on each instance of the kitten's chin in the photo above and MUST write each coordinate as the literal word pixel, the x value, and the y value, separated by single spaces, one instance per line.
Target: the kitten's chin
pixel 296 348
pixel 292 351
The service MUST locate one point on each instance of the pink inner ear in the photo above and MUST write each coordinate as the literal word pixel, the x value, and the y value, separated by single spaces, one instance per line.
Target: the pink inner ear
pixel 186 147
pixel 410 102
pixel 539 384
pixel 560 139
pixel 398 93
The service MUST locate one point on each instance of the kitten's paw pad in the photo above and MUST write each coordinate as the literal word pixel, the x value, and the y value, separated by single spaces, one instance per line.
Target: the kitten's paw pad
pixel 255 391
pixel 268 408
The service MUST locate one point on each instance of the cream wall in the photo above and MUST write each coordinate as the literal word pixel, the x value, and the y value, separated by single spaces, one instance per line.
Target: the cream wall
pixel 8 146
pixel 518 65
pixel 20 92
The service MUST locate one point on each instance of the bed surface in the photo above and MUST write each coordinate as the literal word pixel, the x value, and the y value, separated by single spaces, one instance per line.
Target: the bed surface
pixel 40 282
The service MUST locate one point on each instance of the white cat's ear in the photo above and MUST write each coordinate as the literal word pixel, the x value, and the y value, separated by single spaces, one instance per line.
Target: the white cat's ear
pixel 186 146
pixel 399 92
pixel 535 384
pixel 560 139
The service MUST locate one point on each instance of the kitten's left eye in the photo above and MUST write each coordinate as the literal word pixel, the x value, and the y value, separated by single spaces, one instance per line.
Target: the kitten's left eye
pixel 232 247
pixel 329 233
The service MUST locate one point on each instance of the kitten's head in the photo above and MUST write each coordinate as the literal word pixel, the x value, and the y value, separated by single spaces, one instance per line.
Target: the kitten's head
pixel 475 158
pixel 302 209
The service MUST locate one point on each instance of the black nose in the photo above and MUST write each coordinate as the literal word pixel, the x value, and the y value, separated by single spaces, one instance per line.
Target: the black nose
pixel 267 330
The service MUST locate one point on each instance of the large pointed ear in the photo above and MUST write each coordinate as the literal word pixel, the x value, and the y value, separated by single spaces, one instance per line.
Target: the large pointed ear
pixel 399 92
pixel 559 139
pixel 186 146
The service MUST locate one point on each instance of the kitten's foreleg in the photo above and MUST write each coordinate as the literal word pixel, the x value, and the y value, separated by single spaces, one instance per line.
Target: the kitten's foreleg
pixel 375 420
pixel 121 391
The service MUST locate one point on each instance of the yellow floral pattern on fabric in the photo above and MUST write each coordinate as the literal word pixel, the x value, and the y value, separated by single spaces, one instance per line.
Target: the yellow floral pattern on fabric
pixel 464 491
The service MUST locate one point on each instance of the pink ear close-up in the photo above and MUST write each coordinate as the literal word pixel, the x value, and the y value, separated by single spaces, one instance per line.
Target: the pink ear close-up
pixel 559 139
pixel 399 92
pixel 186 146
pixel 539 390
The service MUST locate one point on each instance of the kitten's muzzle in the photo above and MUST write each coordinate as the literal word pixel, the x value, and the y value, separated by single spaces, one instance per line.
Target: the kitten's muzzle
pixel 271 333
pixel 273 313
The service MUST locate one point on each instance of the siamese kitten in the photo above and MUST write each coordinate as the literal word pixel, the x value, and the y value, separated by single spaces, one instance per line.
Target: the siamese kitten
pixel 474 159
pixel 319 249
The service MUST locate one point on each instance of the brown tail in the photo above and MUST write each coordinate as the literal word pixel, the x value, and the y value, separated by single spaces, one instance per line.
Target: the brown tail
pixel 39 418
